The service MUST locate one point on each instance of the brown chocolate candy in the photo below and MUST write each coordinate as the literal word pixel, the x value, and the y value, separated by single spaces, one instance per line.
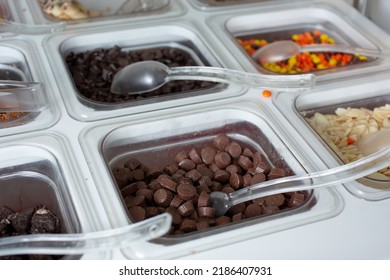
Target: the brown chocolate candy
pixel 206 212
pixel 208 155
pixel 221 141
pixel 244 162
pixel 137 213
pixel 276 173
pixel 186 191
pixel 186 209
pixel 163 197
pixel 253 210
pixel 234 149
pixel 195 157
pixel 167 182
pixel 203 200
pixel 236 181
pixel 187 164
pixel 222 160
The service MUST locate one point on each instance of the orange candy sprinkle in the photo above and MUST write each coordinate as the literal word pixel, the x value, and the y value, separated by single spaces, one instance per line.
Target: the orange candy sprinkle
pixel 267 93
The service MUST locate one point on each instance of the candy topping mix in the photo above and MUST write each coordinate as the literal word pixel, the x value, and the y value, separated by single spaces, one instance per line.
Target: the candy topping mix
pixel 304 62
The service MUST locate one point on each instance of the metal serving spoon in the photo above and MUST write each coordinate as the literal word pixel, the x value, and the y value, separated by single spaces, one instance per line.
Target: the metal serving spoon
pixel 345 173
pixel 146 76
pixel 80 243
pixel 282 50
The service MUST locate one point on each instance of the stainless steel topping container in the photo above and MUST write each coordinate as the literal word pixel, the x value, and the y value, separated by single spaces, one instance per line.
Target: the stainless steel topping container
pixel 157 142
pixel 183 36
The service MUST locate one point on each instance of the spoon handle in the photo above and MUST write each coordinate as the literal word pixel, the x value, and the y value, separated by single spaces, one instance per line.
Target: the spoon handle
pixel 337 175
pixel 20 28
pixel 75 244
pixel 16 96
pixel 223 75
pixel 344 49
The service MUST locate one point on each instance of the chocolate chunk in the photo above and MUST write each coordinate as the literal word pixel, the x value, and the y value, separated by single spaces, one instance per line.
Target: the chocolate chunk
pixel 208 154
pixel 276 173
pixel 131 189
pixel 44 221
pixel 228 189
pixel 206 212
pixel 216 187
pixel 222 160
pixel 154 185
pixel 163 197
pixel 5 212
pixel 221 141
pixel 137 213
pixel 244 162
pixel 186 209
pixel 234 149
pixel 194 156
pixel 270 209
pixel 21 221
pixel 186 191
pixel 187 164
pixel 253 210
pixel 237 217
